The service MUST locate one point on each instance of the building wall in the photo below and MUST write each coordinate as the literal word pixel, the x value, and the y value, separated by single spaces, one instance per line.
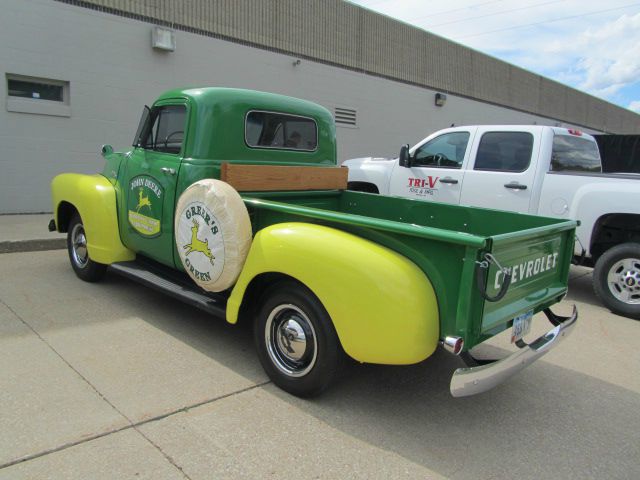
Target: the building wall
pixel 346 35
pixel 113 71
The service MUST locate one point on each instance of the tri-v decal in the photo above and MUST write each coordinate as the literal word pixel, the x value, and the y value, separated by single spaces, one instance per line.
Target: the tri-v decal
pixel 528 269
pixel 423 186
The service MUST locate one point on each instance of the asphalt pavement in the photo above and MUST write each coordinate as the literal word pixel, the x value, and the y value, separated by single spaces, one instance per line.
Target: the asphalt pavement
pixel 114 380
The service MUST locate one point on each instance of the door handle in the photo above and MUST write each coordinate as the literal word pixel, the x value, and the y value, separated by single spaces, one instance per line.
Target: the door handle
pixel 450 180
pixel 170 171
pixel 515 186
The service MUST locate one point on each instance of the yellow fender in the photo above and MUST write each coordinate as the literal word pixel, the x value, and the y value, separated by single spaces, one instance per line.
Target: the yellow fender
pixel 382 305
pixel 94 197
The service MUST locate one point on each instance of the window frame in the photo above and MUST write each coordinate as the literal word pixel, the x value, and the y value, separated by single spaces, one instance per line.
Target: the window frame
pixel 155 113
pixel 59 108
pixel 414 161
pixel 502 170
pixel 570 170
pixel 283 147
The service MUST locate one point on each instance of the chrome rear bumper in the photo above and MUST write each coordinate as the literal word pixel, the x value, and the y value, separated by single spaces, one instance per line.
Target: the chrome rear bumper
pixel 470 381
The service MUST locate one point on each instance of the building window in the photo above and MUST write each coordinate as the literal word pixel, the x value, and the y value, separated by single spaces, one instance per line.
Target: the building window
pixel 281 131
pixel 38 95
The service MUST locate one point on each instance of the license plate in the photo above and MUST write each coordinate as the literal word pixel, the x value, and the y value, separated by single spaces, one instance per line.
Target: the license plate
pixel 521 326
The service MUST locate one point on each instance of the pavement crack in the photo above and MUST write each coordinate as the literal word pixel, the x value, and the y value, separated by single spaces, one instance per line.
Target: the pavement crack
pixel 67 363
pixel 131 424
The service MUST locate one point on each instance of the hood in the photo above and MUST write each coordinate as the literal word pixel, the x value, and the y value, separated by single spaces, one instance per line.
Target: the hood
pixel 362 160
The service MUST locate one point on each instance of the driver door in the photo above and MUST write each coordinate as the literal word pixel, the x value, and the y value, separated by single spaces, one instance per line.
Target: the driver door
pixel 436 172
pixel 149 183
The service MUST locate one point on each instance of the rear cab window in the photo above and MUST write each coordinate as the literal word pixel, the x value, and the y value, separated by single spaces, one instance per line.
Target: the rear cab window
pixel 571 153
pixel 280 131
pixel 504 152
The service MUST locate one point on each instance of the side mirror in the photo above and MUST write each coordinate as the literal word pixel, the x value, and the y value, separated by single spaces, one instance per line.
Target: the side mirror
pixel 107 150
pixel 405 158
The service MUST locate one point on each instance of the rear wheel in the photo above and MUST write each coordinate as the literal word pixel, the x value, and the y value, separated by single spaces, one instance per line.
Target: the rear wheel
pixel 296 342
pixel 83 266
pixel 616 279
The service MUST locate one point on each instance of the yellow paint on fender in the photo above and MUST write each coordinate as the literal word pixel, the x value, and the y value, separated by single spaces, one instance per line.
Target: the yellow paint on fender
pixel 382 305
pixel 95 199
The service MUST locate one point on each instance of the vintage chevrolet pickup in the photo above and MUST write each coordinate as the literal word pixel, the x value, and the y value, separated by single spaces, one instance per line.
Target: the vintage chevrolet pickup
pixel 320 271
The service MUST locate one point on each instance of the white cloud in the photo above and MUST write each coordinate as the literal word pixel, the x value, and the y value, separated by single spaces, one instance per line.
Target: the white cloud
pixel 609 56
pixel 587 44
pixel 634 106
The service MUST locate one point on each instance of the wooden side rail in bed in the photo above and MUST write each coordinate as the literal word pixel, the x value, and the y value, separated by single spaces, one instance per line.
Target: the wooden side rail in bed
pixel 261 178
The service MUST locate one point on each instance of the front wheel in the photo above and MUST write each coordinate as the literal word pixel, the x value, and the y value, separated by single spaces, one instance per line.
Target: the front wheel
pixel 616 279
pixel 295 339
pixel 83 266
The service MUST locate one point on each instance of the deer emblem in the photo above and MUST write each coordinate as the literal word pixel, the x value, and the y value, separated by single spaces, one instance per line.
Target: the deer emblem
pixel 142 201
pixel 198 245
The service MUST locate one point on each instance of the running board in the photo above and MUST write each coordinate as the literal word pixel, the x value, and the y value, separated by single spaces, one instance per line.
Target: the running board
pixel 164 280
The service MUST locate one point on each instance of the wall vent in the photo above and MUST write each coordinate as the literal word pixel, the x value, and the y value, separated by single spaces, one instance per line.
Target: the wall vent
pixel 346 116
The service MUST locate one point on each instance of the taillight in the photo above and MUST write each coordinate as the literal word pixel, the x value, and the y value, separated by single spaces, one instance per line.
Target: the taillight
pixel 577 133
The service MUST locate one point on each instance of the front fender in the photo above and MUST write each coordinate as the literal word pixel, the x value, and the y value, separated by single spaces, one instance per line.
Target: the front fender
pixel 382 305
pixel 94 197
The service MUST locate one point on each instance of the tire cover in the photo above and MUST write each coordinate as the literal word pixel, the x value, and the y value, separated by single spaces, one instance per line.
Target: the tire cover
pixel 213 233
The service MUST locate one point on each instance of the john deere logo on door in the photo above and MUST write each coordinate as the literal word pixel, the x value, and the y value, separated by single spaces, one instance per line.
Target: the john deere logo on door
pixel 200 242
pixel 145 205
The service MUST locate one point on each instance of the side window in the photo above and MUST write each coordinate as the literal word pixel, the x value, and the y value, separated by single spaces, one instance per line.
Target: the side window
pixel 444 151
pixel 282 131
pixel 504 151
pixel 166 131
pixel 574 154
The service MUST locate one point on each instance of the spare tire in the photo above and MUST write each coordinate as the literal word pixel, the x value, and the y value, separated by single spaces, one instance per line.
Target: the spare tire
pixel 213 233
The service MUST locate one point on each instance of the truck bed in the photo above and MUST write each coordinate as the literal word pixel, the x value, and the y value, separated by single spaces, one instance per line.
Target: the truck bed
pixel 447 242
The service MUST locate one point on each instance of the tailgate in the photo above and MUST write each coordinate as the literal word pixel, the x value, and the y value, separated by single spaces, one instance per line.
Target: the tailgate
pixel 539 261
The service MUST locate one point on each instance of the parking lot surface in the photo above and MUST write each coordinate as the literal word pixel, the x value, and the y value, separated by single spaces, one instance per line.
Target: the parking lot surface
pixel 114 380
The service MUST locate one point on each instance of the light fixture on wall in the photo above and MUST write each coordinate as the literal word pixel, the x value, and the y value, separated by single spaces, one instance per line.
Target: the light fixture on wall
pixel 163 39
pixel 441 99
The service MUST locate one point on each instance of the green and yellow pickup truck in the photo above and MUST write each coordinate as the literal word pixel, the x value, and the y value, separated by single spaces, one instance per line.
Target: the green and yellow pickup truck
pixel 232 201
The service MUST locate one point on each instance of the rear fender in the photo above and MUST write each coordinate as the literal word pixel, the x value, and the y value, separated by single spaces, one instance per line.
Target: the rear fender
pixel 382 305
pixel 94 197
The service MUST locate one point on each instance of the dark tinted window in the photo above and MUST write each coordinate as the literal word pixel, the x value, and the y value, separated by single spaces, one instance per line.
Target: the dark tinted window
pixel 444 151
pixel 504 151
pixel 574 154
pixel 167 129
pixel 40 91
pixel 279 130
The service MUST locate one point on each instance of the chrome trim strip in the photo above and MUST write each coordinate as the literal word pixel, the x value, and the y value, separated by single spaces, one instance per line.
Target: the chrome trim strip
pixel 471 381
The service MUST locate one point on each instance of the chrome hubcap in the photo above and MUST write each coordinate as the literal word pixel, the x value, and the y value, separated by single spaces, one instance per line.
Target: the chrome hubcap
pixel 79 246
pixel 624 280
pixel 291 340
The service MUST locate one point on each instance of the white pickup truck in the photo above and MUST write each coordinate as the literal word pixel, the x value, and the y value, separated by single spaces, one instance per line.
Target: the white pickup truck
pixel 540 170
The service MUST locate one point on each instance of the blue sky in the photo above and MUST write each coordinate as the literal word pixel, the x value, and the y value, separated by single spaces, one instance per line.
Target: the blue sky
pixel 590 45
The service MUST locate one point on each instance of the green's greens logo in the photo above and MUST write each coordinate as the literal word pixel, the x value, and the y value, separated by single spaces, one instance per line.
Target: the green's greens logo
pixel 145 205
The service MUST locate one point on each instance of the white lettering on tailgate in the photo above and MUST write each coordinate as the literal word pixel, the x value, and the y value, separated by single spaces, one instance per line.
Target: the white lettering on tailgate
pixel 528 269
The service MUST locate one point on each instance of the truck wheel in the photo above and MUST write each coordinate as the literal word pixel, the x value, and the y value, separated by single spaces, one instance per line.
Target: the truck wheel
pixel 616 279
pixel 296 342
pixel 83 266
